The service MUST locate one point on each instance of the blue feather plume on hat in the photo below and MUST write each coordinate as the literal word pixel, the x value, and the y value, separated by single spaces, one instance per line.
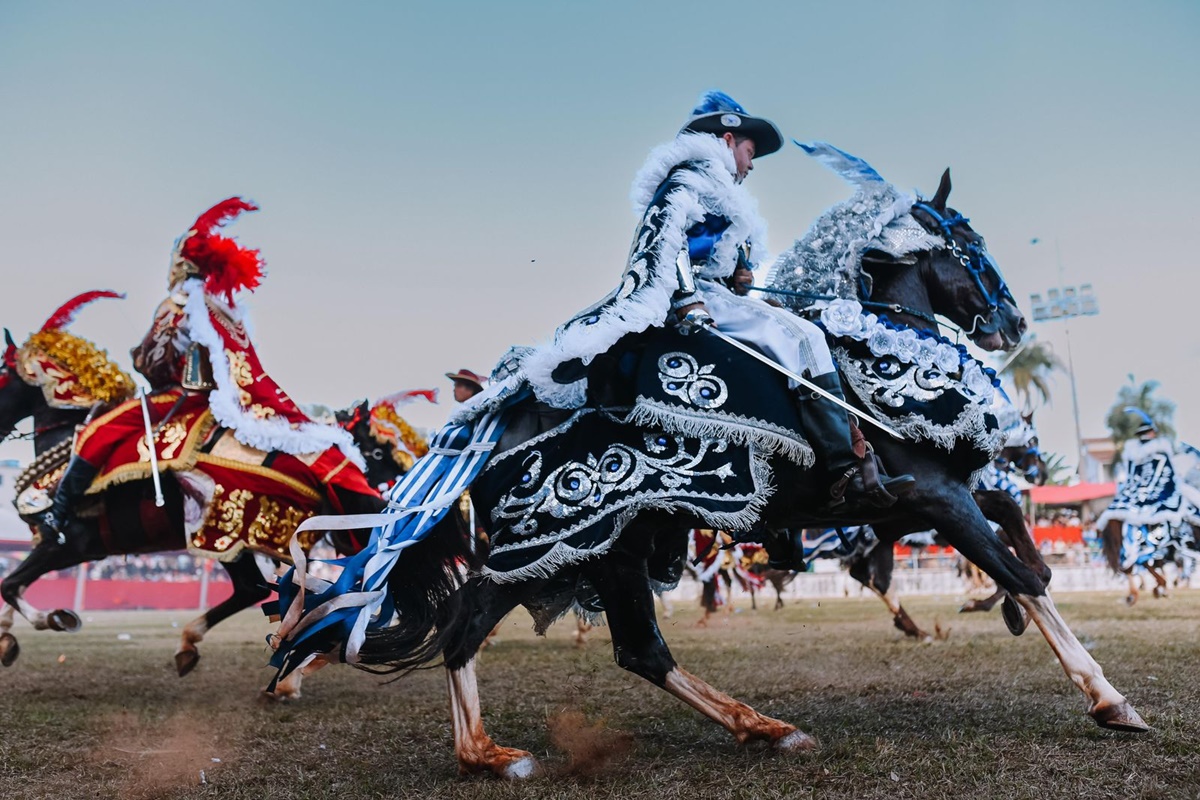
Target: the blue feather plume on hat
pixel 713 101
pixel 1142 415
pixel 851 168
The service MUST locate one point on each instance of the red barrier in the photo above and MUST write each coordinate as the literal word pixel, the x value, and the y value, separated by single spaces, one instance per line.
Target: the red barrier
pixel 110 595
pixel 1067 534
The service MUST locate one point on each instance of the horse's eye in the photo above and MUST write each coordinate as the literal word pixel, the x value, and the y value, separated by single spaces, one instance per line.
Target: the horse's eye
pixel 377 454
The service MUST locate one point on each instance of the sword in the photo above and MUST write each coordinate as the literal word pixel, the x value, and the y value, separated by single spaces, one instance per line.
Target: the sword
pixel 705 322
pixel 158 495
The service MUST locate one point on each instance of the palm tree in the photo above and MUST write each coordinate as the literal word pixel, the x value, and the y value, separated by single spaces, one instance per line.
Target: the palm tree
pixel 1030 370
pixel 1139 395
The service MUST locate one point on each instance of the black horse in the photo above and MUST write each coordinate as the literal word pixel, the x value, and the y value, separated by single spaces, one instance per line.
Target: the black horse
pixel 441 613
pixel 130 533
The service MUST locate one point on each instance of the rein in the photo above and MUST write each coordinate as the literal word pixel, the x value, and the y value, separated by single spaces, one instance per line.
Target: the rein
pixel 872 304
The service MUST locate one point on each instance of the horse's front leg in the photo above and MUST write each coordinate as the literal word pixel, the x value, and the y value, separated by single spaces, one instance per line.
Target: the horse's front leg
pixel 622 581
pixel 965 528
pixel 42 559
pixel 288 689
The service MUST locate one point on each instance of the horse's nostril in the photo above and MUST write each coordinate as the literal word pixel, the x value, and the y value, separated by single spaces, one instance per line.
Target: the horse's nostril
pixel 1022 325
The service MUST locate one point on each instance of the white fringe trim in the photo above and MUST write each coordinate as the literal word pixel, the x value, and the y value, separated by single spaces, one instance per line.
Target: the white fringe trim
pixel 733 428
pixel 264 434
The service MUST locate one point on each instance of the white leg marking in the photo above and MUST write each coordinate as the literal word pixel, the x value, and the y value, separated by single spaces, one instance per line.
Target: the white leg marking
pixel 475 749
pixel 1079 665
pixel 738 718
pixel 193 634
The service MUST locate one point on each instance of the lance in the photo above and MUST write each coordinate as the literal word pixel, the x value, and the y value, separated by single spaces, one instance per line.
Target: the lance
pixel 158 494
pixel 704 322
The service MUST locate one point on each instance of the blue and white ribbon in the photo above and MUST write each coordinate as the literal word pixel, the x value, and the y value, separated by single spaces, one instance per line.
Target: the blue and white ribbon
pixel 321 615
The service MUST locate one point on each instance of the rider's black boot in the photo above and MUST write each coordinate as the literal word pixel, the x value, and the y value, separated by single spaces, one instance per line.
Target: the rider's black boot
pixel 75 481
pixel 856 482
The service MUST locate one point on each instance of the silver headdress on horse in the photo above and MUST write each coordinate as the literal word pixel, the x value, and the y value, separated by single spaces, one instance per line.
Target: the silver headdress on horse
pixel 827 259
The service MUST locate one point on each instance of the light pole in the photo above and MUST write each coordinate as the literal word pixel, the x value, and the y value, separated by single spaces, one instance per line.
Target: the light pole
pixel 1065 303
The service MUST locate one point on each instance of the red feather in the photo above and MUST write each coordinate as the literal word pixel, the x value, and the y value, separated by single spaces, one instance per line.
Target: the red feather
pixel 227 267
pixel 66 313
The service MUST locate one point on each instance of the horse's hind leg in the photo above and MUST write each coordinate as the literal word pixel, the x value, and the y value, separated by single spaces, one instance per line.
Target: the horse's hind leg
pixel 965 528
pixel 874 571
pixel 1132 597
pixel 288 689
pixel 9 648
pixel 475 750
pixel 1160 580
pixel 249 587
pixel 623 584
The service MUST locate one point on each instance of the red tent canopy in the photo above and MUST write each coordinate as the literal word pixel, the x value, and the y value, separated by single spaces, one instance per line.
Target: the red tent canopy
pixel 1071 495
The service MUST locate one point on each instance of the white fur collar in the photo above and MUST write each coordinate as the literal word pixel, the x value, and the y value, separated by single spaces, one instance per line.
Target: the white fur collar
pixel 223 401
pixel 718 191
pixel 1137 450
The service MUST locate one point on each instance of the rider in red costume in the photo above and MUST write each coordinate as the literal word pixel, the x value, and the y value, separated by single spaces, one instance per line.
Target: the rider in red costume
pixel 198 355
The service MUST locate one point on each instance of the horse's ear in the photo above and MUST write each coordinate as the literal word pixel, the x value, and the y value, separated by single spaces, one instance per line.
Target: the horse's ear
pixel 943 192
pixel 365 406
pixel 8 340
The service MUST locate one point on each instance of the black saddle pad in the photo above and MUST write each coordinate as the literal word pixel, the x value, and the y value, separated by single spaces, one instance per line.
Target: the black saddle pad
pixel 699 385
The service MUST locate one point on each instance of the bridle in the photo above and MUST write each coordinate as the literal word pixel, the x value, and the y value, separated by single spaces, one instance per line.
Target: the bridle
pixel 977 262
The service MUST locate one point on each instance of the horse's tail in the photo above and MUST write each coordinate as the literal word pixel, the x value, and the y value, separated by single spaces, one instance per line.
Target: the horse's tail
pixel 427 589
pixel 1110 537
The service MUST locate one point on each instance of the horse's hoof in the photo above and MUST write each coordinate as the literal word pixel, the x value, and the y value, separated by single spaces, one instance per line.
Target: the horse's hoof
pixel 1159 591
pixel 796 742
pixel 9 650
pixel 1014 616
pixel 1119 718
pixel 186 661
pixel 970 606
pixel 63 619
pixel 1130 599
pixel 521 769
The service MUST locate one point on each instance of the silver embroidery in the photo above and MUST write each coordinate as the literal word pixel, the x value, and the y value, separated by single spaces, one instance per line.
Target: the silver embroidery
pixel 579 486
pixel 683 377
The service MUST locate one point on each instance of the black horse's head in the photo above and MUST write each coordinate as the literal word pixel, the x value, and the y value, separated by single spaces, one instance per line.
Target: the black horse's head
pixel 385 462
pixel 1021 453
pixel 960 281
pixel 18 399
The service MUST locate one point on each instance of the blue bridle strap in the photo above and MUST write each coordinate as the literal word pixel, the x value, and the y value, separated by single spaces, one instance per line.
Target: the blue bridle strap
pixel 977 261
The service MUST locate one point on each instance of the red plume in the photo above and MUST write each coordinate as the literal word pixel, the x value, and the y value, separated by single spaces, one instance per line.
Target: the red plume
pixel 227 267
pixel 66 313
pixel 401 398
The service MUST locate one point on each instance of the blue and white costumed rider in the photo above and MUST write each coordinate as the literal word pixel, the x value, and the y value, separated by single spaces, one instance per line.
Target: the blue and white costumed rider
pixel 1155 504
pixel 699 237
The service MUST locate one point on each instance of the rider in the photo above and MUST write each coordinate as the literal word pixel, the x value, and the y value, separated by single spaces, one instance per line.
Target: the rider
pixel 691 200
pixel 198 354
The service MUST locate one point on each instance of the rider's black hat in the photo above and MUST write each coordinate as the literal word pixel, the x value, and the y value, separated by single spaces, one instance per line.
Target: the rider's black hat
pixel 718 113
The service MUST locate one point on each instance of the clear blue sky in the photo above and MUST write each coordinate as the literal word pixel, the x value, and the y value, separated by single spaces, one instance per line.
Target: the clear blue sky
pixel 439 180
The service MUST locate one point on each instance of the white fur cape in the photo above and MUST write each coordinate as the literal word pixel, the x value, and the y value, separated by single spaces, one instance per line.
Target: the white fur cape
pixel 705 185
pixel 265 434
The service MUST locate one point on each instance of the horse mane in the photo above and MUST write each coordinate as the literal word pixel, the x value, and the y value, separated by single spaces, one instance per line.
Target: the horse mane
pixel 827 260
pixel 97 376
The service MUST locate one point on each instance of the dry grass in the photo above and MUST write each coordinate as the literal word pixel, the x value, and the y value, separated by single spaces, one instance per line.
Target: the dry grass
pixel 982 715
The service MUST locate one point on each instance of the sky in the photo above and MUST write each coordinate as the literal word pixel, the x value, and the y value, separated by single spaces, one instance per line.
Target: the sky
pixel 441 180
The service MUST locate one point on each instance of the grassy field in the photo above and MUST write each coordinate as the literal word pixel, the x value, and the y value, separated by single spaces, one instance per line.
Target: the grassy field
pixel 981 715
